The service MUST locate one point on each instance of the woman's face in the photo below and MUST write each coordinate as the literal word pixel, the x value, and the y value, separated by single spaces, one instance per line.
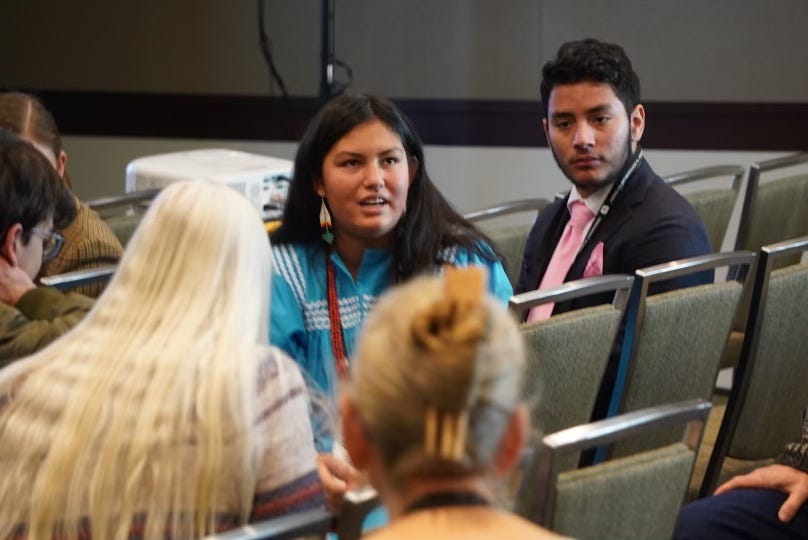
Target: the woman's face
pixel 365 179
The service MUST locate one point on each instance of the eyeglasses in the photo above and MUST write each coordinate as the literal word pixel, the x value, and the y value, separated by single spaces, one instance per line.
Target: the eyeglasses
pixel 51 243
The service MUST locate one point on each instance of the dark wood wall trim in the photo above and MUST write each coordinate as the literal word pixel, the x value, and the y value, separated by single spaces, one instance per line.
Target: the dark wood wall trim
pixel 670 125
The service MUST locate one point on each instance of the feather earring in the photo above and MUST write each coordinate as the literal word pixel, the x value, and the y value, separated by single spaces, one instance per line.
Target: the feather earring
pixel 325 223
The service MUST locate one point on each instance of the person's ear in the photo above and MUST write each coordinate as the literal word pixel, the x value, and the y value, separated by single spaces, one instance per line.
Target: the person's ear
pixel 11 242
pixel 513 440
pixel 319 187
pixel 546 130
pixel 353 433
pixel 61 163
pixel 413 167
pixel 637 120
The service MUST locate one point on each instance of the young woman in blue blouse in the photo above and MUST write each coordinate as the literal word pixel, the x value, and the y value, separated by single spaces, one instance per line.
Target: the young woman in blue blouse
pixel 361 163
pixel 362 214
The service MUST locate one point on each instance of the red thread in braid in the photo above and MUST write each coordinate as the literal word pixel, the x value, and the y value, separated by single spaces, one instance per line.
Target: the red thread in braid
pixel 337 341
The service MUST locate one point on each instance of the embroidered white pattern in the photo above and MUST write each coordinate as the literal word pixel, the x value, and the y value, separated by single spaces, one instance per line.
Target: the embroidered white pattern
pixel 286 263
pixel 315 312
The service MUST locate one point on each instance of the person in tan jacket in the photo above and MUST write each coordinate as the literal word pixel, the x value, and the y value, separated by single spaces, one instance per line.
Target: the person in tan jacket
pixel 88 240
pixel 33 201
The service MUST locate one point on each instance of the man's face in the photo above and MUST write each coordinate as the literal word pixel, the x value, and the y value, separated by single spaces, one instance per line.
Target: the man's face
pixel 590 133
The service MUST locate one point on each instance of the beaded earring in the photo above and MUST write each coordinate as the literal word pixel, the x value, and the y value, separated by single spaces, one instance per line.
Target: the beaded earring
pixel 325 223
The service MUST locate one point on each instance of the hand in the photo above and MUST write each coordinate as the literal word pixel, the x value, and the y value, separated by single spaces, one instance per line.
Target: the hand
pixel 780 477
pixel 337 476
pixel 14 282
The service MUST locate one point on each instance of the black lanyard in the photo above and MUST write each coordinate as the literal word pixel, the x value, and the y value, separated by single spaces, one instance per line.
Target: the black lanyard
pixel 610 198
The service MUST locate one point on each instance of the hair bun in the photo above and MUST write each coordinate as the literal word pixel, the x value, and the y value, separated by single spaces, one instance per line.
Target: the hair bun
pixel 458 320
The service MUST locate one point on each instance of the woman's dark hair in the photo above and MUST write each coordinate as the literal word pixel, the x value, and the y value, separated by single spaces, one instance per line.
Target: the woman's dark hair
pixel 429 223
pixel 26 116
pixel 594 61
pixel 30 189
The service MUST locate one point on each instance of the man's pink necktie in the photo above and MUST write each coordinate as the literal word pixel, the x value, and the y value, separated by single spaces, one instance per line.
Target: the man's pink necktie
pixel 564 254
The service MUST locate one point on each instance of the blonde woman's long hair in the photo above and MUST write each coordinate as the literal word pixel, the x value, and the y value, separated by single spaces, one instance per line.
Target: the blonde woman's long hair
pixel 136 413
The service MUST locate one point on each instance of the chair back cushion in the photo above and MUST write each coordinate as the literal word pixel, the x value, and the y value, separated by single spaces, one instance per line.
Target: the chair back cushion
pixel 714 207
pixel 124 225
pixel 562 378
pixel 778 213
pixel 679 352
pixel 567 355
pixel 778 391
pixel 511 243
pixel 636 497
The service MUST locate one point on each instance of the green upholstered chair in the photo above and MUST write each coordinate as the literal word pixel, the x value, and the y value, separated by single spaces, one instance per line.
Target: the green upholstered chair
pixel 123 213
pixel 563 370
pixel 773 210
pixel 511 242
pixel 674 340
pixel 764 409
pixel 124 226
pixel 509 239
pixel 636 496
pixel 714 205
pixel 566 359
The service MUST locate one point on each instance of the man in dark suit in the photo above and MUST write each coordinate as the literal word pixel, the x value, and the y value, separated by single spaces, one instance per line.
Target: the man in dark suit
pixel 619 215
pixel 593 122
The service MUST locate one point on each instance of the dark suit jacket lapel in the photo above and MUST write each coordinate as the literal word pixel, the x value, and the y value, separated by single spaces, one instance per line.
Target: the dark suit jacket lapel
pixel 633 194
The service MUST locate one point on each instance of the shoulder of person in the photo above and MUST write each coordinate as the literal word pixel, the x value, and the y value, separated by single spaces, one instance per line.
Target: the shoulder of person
pixel 277 369
pixel 273 359
pixel 662 199
pixel 48 296
pixel 296 259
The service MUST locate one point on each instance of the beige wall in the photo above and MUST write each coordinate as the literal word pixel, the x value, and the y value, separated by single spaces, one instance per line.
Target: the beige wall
pixel 470 177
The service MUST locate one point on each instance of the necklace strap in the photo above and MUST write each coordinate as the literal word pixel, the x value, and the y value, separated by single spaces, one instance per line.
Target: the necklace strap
pixel 337 339
pixel 442 499
pixel 617 187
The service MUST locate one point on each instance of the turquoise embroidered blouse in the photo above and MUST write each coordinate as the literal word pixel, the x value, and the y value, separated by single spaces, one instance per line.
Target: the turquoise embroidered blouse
pixel 299 322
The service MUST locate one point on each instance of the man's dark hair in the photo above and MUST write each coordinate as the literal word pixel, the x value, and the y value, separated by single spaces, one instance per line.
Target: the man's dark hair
pixel 30 189
pixel 590 60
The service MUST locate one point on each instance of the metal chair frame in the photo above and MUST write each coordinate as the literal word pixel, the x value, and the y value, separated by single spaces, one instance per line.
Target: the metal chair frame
pixel 507 208
pixel 620 283
pixel 736 171
pixel 603 432
pixel 752 185
pixel 745 368
pixel 635 313
pixel 102 204
pixel 71 280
